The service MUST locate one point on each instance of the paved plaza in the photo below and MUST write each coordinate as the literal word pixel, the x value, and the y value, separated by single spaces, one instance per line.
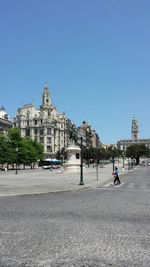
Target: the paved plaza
pixel 44 181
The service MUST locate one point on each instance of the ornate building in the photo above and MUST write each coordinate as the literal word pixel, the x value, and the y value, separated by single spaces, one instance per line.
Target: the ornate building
pixel 51 128
pixel 91 137
pixel 5 123
pixel 46 125
pixel 123 144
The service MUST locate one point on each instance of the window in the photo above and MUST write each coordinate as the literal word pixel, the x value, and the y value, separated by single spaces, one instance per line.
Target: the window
pixel 77 156
pixel 49 140
pixel 27 133
pixel 35 131
pixel 49 131
pixel 49 149
pixel 41 140
pixel 41 131
pixel 35 122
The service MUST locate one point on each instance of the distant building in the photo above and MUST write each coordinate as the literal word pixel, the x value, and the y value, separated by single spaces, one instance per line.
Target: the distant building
pixel 52 128
pixel 5 123
pixel 123 144
pixel 91 137
pixel 46 125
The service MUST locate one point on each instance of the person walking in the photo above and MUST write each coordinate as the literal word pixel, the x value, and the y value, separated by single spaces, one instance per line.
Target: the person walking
pixel 116 176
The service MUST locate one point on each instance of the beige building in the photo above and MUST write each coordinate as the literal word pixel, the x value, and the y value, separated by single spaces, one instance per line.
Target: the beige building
pixel 91 137
pixel 46 124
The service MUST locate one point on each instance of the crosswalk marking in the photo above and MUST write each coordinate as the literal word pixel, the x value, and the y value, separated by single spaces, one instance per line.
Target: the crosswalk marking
pixel 124 186
pixel 112 184
pixel 108 184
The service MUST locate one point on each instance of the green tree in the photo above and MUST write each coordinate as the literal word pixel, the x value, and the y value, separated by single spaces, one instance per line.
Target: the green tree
pixel 30 152
pixel 94 154
pixel 112 152
pixel 136 151
pixel 4 150
pixel 14 136
pixel 14 148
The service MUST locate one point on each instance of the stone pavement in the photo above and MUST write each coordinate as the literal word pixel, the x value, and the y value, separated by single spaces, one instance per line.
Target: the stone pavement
pixel 44 181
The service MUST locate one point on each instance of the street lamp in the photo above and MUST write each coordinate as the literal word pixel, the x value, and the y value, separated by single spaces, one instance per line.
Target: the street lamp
pixel 123 158
pixel 113 158
pixel 128 164
pixel 81 135
pixel 16 160
pixel 81 163
pixel 113 162
pixel 132 162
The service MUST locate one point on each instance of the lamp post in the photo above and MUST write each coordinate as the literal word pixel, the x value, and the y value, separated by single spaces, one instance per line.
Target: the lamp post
pixel 128 164
pixel 97 169
pixel 81 163
pixel 113 158
pixel 113 162
pixel 123 158
pixel 132 162
pixel 16 160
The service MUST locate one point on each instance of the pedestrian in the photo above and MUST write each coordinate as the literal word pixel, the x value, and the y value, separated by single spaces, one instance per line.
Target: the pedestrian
pixel 116 176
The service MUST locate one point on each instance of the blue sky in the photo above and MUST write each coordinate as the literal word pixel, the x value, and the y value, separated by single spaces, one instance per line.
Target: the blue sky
pixel 94 55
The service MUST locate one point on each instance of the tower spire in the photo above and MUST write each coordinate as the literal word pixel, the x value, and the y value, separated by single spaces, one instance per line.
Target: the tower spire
pixel 134 129
pixel 46 100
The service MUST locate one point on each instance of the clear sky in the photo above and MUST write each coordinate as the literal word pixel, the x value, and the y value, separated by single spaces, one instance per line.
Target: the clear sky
pixel 94 55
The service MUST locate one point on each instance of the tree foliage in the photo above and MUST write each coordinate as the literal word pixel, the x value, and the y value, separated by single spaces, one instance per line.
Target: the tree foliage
pixel 136 151
pixel 14 148
pixel 100 153
pixel 4 149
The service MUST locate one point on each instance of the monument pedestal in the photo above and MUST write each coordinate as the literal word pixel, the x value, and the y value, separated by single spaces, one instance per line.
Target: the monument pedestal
pixel 74 159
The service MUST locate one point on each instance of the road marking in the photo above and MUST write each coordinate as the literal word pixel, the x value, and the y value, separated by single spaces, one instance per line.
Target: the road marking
pixel 108 184
pixel 111 184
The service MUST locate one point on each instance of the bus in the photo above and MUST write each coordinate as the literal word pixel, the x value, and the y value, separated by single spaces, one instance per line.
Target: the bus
pixel 50 164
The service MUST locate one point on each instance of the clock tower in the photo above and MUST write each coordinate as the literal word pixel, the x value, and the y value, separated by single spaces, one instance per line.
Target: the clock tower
pixel 134 129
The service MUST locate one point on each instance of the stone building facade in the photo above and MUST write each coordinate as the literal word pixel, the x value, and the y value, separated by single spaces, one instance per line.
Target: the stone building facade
pixel 46 125
pixel 91 137
pixel 5 123
pixel 52 128
pixel 124 143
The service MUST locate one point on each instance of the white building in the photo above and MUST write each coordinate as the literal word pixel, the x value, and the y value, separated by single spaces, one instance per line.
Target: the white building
pixel 45 124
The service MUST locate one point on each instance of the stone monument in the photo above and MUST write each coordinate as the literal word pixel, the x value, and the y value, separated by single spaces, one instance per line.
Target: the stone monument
pixel 73 163
pixel 74 159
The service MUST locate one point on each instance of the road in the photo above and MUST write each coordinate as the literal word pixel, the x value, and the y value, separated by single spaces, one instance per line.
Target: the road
pixel 102 226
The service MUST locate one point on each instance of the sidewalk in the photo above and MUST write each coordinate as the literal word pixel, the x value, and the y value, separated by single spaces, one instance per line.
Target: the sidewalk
pixel 44 181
